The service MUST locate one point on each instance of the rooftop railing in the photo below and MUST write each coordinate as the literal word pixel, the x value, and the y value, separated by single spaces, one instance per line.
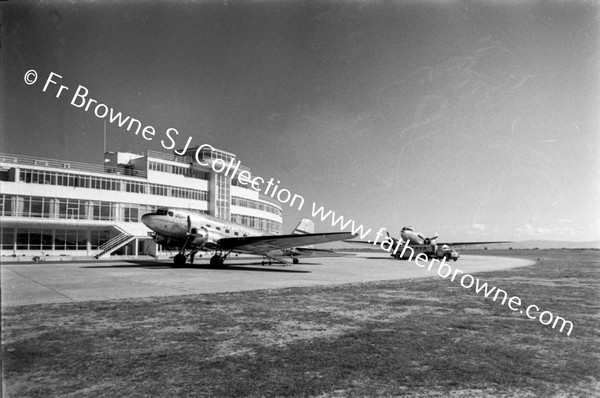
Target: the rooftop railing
pixel 171 157
pixel 68 165
pixel 190 160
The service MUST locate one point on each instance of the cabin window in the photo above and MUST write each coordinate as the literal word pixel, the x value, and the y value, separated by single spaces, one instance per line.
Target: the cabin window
pixel 227 231
pixel 218 228
pixel 235 233
pixel 170 214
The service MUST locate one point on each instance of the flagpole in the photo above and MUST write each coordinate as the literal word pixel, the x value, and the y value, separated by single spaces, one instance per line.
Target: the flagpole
pixel 104 138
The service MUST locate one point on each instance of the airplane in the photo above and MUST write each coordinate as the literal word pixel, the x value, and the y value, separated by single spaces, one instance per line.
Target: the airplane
pixel 431 245
pixel 183 229
pixel 419 243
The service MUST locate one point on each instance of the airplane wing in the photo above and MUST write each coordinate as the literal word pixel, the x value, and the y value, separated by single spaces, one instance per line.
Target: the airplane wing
pixel 370 243
pixel 365 242
pixel 473 243
pixel 311 252
pixel 263 244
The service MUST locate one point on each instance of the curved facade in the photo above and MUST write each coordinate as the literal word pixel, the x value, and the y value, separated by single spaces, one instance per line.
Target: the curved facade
pixel 55 207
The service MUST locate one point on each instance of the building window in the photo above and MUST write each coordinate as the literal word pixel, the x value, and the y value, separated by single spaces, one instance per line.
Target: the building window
pixel 6 205
pixel 8 238
pixel 131 214
pixel 22 239
pixel 47 239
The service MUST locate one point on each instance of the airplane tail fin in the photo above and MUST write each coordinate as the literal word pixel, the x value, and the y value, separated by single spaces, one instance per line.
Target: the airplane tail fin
pixel 305 226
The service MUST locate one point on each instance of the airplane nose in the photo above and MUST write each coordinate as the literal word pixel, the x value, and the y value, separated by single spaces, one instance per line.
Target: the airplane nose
pixel 147 219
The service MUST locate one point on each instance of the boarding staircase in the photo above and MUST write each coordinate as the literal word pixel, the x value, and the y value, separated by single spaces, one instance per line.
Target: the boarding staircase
pixel 127 233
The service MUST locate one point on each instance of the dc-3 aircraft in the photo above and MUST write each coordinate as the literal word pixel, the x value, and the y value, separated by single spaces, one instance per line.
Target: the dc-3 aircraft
pixel 430 246
pixel 191 231
pixel 416 241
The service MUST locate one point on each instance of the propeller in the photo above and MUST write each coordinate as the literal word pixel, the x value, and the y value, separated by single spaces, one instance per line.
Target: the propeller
pixel 388 234
pixel 428 241
pixel 189 225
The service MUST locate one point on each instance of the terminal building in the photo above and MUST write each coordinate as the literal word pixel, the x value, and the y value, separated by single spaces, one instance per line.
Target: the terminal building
pixel 53 207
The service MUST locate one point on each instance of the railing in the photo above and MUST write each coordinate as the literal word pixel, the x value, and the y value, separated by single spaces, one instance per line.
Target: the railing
pixel 68 165
pixel 170 157
pixel 110 242
pixel 115 243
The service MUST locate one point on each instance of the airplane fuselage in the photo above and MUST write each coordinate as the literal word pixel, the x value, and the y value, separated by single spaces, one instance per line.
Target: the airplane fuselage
pixel 415 238
pixel 173 225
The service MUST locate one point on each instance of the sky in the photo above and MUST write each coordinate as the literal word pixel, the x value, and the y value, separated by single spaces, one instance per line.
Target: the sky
pixel 476 120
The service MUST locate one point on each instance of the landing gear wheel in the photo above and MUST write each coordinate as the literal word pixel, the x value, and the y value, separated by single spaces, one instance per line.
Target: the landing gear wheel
pixel 216 261
pixel 295 260
pixel 179 260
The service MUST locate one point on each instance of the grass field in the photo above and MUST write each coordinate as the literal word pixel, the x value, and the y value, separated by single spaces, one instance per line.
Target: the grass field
pixel 421 337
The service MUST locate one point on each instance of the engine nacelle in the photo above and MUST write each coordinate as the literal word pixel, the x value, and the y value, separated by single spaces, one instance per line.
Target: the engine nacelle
pixel 161 240
pixel 166 242
pixel 202 237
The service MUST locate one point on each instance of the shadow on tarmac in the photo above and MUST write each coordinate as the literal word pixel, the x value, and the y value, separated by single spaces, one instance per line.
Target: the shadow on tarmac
pixel 230 266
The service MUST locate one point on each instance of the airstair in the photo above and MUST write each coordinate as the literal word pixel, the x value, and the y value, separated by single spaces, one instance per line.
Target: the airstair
pixel 127 233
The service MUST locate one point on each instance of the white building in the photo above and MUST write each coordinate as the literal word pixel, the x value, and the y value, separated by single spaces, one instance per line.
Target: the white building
pixel 55 207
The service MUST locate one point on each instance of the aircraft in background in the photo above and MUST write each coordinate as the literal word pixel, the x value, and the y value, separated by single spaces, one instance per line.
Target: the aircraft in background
pixel 419 243
pixel 431 247
pixel 188 230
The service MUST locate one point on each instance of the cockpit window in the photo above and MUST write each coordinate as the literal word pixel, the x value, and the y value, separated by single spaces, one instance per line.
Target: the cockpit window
pixel 161 212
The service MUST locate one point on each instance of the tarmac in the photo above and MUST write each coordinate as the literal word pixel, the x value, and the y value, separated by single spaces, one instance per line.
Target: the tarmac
pixel 65 282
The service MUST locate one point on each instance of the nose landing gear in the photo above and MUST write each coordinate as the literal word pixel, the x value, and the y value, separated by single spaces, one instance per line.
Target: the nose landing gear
pixel 179 260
